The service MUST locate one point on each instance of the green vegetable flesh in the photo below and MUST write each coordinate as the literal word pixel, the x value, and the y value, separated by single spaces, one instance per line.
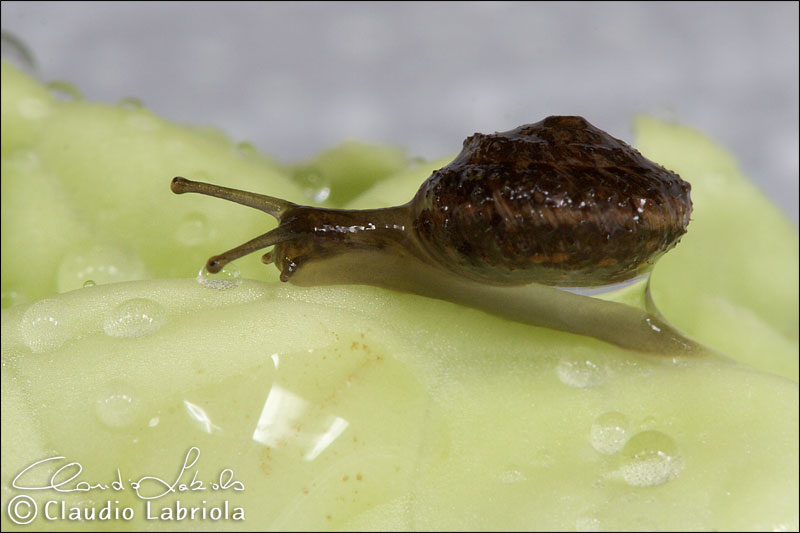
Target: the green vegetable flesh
pixel 357 407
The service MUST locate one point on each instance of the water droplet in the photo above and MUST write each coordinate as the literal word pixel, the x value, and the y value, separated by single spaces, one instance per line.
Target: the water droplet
pixel 86 504
pixel 315 184
pixel 153 422
pixel 322 194
pixel 246 150
pixel 135 318
pixel 228 278
pixel 512 476
pixel 581 372
pixel 89 283
pixel 17 53
pixel 415 161
pixel 609 432
pixel 99 263
pixel 117 409
pixel 61 90
pixel 33 108
pixel 130 103
pixel 192 230
pixel 12 297
pixel 587 523
pixel 542 459
pixel 24 160
pixel 651 458
pixel 43 326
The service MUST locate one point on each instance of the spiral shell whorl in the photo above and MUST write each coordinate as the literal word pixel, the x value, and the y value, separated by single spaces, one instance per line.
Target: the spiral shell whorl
pixel 558 202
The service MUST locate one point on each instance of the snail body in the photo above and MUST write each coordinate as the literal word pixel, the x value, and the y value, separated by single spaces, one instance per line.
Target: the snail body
pixel 555 203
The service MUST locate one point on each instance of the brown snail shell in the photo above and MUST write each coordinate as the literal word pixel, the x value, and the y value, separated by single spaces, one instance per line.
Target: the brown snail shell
pixel 558 202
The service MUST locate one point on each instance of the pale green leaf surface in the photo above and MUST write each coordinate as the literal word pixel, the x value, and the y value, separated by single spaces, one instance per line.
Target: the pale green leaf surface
pixel 396 411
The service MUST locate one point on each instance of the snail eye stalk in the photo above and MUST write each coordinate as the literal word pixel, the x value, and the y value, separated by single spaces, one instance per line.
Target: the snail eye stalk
pixel 268 204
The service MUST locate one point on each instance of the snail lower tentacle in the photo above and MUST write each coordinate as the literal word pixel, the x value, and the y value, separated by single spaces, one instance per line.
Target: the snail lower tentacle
pixel 270 238
pixel 556 203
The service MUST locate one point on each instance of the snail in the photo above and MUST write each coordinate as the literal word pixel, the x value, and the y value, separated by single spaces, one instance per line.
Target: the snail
pixel 558 203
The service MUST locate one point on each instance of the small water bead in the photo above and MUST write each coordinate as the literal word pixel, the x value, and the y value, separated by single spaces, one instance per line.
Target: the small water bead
pixel 651 458
pixel 99 263
pixel 316 186
pixel 12 297
pixel 44 326
pixel 512 476
pixel 33 108
pixel 609 432
pixel 135 318
pixel 245 150
pixel 130 103
pixel 581 372
pixel 61 90
pixel 88 507
pixel 89 283
pixel 25 160
pixel 588 523
pixel 228 278
pixel 542 459
pixel 415 161
pixel 193 229
pixel 321 194
pixel 117 409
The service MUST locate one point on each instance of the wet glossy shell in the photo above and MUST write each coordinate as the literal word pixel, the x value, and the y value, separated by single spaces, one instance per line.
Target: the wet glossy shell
pixel 558 202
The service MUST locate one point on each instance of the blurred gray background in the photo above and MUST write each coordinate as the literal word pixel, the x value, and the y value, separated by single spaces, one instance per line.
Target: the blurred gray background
pixel 295 78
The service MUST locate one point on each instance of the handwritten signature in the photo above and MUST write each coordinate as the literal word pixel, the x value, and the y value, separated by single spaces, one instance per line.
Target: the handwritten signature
pixel 66 479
